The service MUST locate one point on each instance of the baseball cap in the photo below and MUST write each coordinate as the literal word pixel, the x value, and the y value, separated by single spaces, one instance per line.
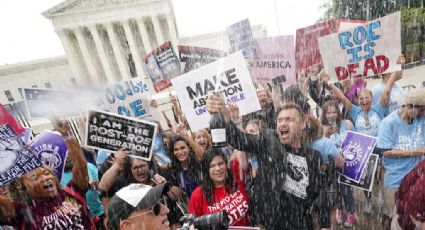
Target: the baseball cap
pixel 132 198
pixel 414 97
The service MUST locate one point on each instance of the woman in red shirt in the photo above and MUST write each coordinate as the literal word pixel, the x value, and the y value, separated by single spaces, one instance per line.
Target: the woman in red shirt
pixel 222 189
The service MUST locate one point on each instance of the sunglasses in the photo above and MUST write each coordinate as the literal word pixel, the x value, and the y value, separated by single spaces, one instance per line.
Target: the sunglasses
pixel 155 210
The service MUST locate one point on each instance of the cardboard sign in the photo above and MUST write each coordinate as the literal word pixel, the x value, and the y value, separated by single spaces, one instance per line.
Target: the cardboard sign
pixel 368 176
pixel 50 148
pixel 129 97
pixel 307 52
pixel 346 24
pixel 276 57
pixel 356 149
pixel 195 57
pixel 16 158
pixel 112 132
pixel 162 65
pixel 230 75
pixel 365 50
pixel 240 38
pixel 44 103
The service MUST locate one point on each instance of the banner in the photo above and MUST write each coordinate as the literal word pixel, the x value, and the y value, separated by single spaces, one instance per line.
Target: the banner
pixel 240 38
pixel 231 77
pixel 162 65
pixel 356 149
pixel 366 181
pixel 50 148
pixel 195 57
pixel 307 52
pixel 365 50
pixel 44 103
pixel 16 158
pixel 276 57
pixel 112 132
pixel 131 98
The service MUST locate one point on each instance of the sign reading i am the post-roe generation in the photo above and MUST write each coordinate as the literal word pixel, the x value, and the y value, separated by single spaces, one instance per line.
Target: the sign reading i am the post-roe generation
pixel 112 132
pixel 364 50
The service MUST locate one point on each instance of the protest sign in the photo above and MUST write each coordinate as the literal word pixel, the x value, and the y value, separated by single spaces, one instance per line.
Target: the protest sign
pixel 112 132
pixel 50 147
pixel 345 24
pixel 44 103
pixel 307 52
pixel 131 98
pixel 243 228
pixel 276 57
pixel 195 57
pixel 7 118
pixel 162 65
pixel 231 77
pixel 240 38
pixel 16 158
pixel 356 149
pixel 364 50
pixel 366 180
pixel 26 135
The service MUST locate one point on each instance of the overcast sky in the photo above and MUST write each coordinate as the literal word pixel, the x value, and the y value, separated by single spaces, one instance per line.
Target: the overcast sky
pixel 27 35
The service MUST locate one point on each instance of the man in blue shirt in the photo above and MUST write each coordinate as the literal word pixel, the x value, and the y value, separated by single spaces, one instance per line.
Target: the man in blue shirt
pixel 401 137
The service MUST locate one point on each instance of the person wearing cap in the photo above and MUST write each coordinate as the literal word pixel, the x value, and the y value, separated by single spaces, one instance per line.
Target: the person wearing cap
pixel 401 138
pixel 410 201
pixel 267 112
pixel 139 206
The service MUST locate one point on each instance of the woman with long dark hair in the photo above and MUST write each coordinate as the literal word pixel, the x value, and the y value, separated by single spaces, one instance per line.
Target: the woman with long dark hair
pixel 222 189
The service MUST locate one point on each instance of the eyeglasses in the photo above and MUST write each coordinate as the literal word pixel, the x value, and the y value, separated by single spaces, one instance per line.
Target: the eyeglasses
pixel 155 210
pixel 140 167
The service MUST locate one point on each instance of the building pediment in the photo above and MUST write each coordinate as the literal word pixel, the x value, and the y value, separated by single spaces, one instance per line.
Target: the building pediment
pixel 71 6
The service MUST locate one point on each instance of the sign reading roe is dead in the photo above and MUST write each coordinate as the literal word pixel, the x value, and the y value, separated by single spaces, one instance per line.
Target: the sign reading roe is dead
pixel 112 132
pixel 364 50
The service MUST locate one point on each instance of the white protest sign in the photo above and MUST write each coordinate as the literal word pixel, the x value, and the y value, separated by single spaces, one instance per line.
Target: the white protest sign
pixel 364 50
pixel 130 97
pixel 235 84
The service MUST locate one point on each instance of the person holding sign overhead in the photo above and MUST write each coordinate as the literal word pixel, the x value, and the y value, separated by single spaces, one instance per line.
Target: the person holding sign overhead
pixel 40 203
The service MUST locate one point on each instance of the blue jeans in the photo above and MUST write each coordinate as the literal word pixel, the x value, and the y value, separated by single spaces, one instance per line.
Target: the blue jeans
pixel 345 198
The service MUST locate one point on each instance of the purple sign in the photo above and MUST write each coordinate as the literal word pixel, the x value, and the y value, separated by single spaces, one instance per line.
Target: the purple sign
pixel 240 38
pixel 51 148
pixel 356 149
pixel 16 158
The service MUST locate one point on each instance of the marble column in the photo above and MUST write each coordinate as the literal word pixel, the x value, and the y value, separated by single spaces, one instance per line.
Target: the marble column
pixel 118 52
pixel 102 53
pixel 145 36
pixel 137 57
pixel 158 31
pixel 88 55
pixel 71 51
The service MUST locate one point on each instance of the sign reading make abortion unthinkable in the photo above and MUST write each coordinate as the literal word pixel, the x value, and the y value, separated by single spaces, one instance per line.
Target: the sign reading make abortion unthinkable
pixel 364 50
pixel 356 150
pixel 241 38
pixel 50 147
pixel 162 65
pixel 231 77
pixel 16 158
pixel 276 57
pixel 112 132
pixel 129 97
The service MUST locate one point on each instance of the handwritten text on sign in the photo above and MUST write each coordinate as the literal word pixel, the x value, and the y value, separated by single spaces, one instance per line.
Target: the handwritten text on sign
pixel 365 50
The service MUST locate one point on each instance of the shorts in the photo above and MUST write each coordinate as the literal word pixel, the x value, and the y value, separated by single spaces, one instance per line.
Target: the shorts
pixel 389 201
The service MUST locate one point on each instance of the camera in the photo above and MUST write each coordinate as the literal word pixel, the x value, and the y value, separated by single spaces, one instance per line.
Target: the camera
pixel 214 221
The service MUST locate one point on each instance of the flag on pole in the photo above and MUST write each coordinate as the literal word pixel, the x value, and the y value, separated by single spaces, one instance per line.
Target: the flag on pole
pixel 7 118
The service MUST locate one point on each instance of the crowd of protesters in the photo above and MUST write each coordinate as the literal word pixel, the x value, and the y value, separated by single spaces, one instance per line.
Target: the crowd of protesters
pixel 278 171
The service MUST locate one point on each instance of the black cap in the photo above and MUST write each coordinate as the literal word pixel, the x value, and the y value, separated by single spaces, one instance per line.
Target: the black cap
pixel 132 198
